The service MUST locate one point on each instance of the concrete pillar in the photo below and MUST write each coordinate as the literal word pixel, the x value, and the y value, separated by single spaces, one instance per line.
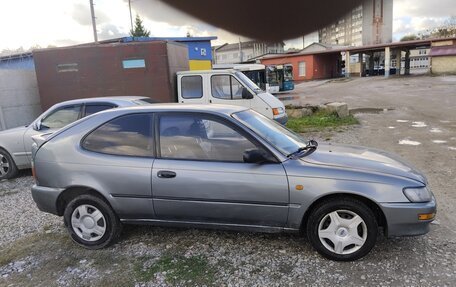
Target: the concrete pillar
pixel 387 61
pixel 347 64
pixel 407 62
pixel 361 65
pixel 398 62
pixel 371 64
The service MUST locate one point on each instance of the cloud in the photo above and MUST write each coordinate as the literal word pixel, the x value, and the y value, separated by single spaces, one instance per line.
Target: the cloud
pixel 65 42
pixel 424 8
pixel 81 14
pixel 158 11
pixel 418 16
pixel 110 31
pixel 162 18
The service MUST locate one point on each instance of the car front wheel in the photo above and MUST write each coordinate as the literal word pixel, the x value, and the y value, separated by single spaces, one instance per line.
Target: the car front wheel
pixel 8 168
pixel 342 229
pixel 91 222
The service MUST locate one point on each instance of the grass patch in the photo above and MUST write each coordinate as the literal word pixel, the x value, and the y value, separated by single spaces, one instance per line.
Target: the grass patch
pixel 191 271
pixel 320 120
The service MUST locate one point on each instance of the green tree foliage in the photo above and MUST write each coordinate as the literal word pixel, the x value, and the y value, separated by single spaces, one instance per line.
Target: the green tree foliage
pixel 409 38
pixel 139 30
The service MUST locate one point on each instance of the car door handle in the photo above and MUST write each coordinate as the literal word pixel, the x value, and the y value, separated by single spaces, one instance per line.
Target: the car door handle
pixel 166 174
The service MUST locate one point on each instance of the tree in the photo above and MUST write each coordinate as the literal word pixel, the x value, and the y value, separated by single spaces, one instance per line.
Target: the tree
pixel 139 30
pixel 410 37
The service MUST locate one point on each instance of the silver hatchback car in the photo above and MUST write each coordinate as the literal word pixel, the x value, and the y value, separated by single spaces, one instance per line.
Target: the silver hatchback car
pixel 223 167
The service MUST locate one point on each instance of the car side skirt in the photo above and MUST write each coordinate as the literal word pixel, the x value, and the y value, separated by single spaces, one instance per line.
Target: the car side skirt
pixel 210 225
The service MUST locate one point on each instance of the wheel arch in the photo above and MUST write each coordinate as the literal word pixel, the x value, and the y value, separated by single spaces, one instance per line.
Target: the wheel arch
pixel 72 192
pixel 379 215
pixel 2 148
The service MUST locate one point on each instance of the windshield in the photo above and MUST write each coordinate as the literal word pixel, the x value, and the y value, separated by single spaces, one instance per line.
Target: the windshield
pixel 248 82
pixel 258 77
pixel 281 138
pixel 288 73
pixel 272 75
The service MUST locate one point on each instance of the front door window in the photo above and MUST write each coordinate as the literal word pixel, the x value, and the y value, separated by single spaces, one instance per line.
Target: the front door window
pixel 61 117
pixel 195 137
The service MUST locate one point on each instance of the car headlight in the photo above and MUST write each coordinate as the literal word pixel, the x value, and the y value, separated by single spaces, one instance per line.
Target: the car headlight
pixel 418 194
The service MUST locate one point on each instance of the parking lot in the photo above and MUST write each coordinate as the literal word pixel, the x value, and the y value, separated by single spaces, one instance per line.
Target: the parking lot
pixel 417 121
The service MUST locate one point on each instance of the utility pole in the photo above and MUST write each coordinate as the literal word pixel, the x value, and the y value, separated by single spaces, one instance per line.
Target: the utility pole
pixel 94 24
pixel 131 18
pixel 240 50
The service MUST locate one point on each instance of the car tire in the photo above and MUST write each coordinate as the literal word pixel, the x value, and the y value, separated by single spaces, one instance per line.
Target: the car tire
pixel 342 229
pixel 8 168
pixel 91 222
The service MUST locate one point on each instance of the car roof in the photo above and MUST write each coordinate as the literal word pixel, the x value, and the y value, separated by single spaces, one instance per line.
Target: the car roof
pixel 114 100
pixel 221 71
pixel 176 107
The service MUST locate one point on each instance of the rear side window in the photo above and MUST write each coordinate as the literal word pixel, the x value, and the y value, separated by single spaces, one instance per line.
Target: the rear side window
pixel 92 109
pixel 129 135
pixel 192 87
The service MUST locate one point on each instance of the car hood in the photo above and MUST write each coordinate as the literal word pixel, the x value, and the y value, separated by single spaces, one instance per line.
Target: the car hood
pixel 362 158
pixel 272 101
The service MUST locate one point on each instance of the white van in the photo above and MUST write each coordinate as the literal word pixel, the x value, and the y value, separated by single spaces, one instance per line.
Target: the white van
pixel 227 87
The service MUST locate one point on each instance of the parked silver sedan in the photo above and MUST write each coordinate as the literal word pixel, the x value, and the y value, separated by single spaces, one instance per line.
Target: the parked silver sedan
pixel 16 144
pixel 223 167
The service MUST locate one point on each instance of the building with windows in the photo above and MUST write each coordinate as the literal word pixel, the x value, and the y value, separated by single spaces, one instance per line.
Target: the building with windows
pixel 420 61
pixel 245 51
pixel 316 61
pixel 369 24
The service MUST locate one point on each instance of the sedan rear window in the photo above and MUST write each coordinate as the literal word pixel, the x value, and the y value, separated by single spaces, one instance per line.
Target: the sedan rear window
pixel 128 135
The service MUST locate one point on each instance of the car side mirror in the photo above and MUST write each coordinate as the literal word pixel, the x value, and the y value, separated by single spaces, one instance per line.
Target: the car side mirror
pixel 246 94
pixel 257 156
pixel 37 125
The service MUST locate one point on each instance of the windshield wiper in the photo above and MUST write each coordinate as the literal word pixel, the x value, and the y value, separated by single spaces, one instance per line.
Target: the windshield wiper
pixel 309 148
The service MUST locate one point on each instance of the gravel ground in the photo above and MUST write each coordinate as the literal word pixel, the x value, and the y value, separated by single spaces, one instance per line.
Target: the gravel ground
pixel 18 213
pixel 36 251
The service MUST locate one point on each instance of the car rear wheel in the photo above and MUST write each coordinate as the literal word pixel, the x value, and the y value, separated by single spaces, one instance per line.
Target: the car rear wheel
pixel 342 229
pixel 8 168
pixel 91 222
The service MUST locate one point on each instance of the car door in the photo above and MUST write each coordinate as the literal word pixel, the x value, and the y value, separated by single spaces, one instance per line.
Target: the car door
pixel 49 123
pixel 226 89
pixel 199 174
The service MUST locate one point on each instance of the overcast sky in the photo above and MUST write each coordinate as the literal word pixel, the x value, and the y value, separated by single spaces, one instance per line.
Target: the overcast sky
pixel 65 22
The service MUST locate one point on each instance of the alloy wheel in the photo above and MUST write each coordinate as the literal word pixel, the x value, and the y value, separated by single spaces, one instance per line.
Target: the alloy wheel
pixel 4 165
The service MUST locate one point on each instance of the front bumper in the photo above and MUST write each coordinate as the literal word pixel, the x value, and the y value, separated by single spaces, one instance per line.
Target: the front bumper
pixel 46 198
pixel 282 119
pixel 402 218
